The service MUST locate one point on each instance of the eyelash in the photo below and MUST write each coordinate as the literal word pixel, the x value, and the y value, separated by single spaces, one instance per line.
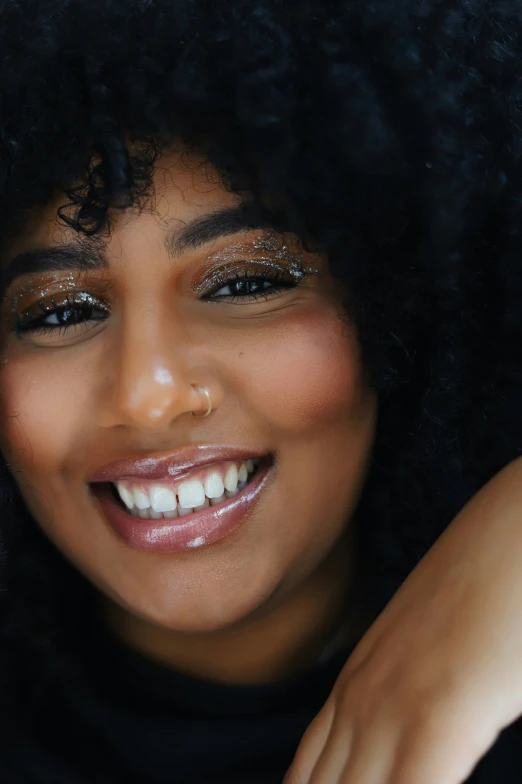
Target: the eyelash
pixel 26 323
pixel 278 280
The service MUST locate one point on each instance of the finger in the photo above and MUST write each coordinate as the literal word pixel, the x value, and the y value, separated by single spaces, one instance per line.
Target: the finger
pixel 332 761
pixel 335 752
pixel 371 757
pixel 311 745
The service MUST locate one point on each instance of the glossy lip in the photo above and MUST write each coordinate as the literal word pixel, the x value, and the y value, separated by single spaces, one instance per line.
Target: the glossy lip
pixel 175 465
pixel 192 532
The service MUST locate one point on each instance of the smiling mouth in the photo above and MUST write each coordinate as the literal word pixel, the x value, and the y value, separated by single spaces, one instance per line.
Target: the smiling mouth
pixel 167 500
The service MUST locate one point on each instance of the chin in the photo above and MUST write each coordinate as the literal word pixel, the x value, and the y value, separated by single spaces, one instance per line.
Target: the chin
pixel 199 612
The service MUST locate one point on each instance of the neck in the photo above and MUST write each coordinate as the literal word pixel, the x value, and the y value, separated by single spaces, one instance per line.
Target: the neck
pixel 278 642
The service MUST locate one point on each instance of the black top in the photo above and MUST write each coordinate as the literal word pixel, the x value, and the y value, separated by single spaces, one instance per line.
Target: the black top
pixel 129 719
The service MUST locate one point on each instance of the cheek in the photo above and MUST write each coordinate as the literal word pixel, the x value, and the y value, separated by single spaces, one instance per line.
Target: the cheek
pixel 40 414
pixel 307 373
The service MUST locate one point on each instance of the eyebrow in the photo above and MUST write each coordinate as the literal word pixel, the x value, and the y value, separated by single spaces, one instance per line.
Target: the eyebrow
pixel 79 257
pixel 207 228
pixel 61 258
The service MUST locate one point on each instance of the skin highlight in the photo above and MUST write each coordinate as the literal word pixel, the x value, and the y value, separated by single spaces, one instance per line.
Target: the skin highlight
pixel 285 376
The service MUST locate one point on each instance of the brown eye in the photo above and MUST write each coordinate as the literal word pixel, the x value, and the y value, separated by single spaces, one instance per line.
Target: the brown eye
pixel 252 286
pixel 74 312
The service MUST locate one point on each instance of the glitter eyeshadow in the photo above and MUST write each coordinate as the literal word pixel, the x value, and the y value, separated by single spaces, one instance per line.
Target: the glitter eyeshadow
pixel 278 258
pixel 64 284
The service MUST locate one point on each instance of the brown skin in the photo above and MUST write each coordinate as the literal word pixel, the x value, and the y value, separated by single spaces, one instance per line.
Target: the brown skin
pixel 285 378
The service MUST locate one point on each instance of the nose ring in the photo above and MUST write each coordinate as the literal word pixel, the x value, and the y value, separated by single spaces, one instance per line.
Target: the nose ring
pixel 204 391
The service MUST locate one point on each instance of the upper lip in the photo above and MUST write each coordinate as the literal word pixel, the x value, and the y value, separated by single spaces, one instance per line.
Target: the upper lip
pixel 172 465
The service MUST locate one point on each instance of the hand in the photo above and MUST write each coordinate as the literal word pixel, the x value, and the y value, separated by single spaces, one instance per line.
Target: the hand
pixel 438 675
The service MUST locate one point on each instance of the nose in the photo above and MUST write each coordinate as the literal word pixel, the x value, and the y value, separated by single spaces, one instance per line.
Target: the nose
pixel 151 375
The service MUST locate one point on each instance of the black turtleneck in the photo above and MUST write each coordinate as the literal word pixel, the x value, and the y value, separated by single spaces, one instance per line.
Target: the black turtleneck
pixel 130 720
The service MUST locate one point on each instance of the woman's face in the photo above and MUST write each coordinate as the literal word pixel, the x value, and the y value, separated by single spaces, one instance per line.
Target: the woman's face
pixel 101 347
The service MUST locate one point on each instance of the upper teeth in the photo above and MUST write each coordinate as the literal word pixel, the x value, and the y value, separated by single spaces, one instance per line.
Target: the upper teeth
pixel 216 484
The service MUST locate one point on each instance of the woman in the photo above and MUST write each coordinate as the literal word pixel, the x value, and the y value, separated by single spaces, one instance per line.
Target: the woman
pixel 258 272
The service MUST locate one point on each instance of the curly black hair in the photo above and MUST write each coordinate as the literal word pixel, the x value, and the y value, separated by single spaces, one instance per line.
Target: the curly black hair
pixel 386 132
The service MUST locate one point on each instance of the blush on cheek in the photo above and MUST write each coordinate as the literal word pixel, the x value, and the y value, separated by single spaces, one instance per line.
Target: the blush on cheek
pixel 38 418
pixel 309 373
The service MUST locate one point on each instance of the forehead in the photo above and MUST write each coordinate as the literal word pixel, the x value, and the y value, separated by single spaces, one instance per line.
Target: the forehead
pixel 183 188
pixel 186 208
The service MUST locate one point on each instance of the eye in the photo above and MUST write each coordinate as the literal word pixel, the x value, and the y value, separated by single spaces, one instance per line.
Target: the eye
pixel 76 311
pixel 253 286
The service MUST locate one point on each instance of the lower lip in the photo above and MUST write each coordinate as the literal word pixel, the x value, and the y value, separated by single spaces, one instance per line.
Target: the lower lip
pixel 196 530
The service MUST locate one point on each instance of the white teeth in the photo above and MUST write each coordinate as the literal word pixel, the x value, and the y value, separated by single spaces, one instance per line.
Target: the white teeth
pixel 162 499
pixel 231 478
pixel 126 496
pixel 141 499
pixel 231 493
pixel 214 485
pixel 158 501
pixel 191 494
